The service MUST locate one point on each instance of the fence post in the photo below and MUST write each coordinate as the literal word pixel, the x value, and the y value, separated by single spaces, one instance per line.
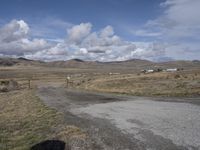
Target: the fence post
pixel 68 81
pixel 29 83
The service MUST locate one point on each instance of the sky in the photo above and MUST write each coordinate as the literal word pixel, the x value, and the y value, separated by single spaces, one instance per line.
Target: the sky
pixel 100 30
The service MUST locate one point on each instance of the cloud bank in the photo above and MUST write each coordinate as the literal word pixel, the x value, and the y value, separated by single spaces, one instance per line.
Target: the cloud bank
pixel 80 42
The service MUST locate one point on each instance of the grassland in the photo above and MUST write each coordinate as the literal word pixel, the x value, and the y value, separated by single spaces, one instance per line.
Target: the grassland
pixel 25 121
pixel 182 83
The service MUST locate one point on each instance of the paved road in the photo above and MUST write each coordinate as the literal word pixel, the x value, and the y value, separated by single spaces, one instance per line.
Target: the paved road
pixel 127 122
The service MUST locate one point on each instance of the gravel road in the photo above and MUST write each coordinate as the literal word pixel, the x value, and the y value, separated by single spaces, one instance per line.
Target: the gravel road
pixel 127 122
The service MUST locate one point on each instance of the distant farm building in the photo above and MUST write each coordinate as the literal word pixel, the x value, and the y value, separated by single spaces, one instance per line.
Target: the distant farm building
pixel 114 73
pixel 160 70
pixel 147 71
pixel 172 70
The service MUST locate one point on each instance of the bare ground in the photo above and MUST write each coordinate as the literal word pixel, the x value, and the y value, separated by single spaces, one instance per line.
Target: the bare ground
pixel 127 122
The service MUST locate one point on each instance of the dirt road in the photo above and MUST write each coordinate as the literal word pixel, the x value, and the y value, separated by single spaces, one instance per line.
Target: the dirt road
pixel 127 122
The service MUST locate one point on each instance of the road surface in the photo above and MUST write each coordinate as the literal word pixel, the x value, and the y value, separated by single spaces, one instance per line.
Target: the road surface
pixel 128 122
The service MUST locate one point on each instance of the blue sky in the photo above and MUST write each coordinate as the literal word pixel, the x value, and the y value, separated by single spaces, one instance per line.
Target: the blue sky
pixel 103 30
pixel 129 13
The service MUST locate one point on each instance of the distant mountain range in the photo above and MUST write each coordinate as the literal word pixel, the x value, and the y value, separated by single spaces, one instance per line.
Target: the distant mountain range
pixel 78 63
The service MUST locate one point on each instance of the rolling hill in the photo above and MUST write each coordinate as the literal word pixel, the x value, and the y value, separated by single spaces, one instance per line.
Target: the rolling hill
pixel 135 64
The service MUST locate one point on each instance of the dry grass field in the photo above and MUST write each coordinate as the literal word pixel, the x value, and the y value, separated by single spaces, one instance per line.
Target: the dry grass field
pixel 25 121
pixel 182 83
pixel 121 81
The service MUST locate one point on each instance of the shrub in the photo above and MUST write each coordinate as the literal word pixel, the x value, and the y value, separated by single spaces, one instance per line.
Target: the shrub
pixel 177 76
pixel 8 85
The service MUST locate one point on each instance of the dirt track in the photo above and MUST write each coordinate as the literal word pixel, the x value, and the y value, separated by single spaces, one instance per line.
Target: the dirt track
pixel 127 122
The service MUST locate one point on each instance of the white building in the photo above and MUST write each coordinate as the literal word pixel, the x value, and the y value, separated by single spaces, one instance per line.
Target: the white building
pixel 150 71
pixel 172 70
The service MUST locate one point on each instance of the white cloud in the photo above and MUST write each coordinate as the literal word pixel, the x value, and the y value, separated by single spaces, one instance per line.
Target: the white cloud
pixel 78 32
pixel 178 25
pixel 105 45
pixel 14 39
pixel 179 20
pixel 34 45
pixel 107 31
pixel 13 31
pixel 83 51
pixel 185 12
pixel 81 42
